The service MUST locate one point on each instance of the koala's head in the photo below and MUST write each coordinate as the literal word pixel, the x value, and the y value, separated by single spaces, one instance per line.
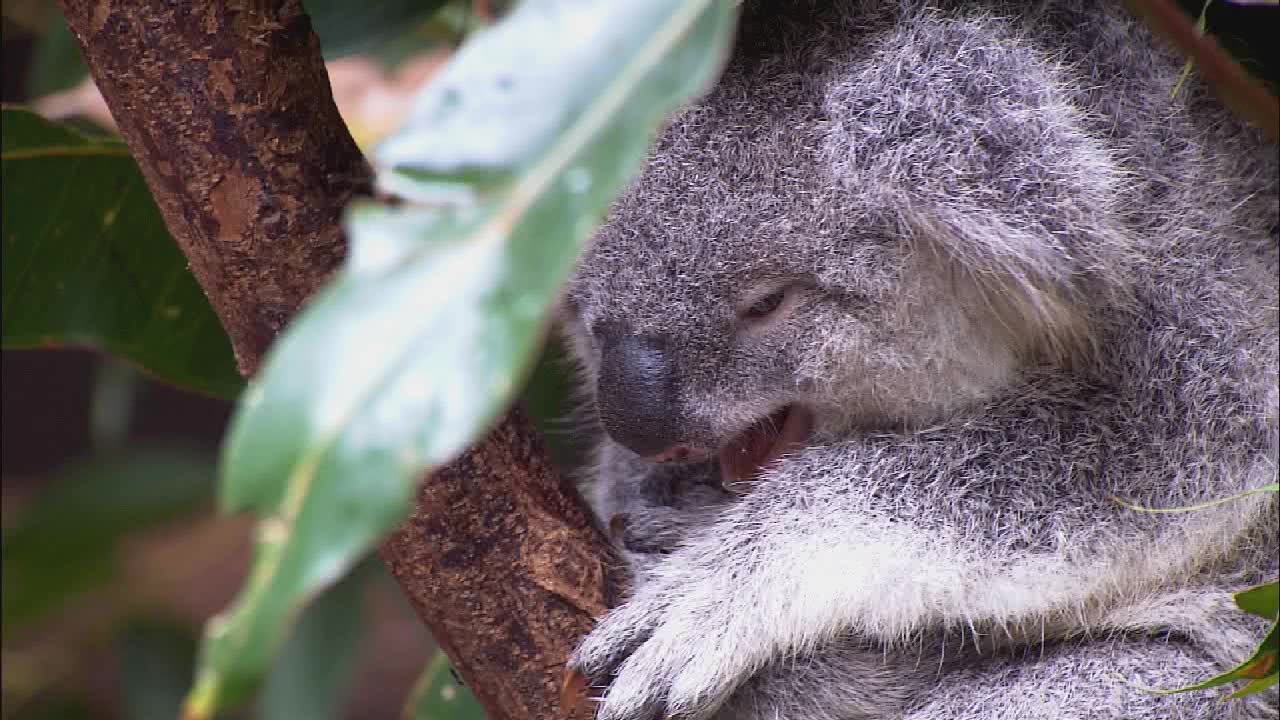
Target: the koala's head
pixel 870 235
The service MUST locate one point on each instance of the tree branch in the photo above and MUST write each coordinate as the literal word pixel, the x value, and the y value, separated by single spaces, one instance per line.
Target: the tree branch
pixel 1244 94
pixel 520 554
pixel 227 110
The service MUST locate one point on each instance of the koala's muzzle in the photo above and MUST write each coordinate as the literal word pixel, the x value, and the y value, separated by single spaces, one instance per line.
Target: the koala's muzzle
pixel 637 397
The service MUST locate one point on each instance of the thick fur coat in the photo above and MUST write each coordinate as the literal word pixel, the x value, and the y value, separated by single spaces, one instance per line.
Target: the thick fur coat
pixel 1016 287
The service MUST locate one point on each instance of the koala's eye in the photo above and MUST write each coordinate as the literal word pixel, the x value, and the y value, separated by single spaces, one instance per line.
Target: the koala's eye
pixel 765 306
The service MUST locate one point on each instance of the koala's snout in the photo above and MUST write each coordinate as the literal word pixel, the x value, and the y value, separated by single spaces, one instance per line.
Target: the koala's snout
pixel 637 396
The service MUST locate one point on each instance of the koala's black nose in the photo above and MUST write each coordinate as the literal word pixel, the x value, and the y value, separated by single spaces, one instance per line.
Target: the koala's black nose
pixel 636 395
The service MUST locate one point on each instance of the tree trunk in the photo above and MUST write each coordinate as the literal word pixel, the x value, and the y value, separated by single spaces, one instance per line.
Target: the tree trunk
pixel 502 562
pixel 227 109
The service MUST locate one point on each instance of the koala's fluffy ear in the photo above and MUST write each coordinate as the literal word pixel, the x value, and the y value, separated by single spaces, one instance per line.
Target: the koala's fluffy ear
pixel 1040 293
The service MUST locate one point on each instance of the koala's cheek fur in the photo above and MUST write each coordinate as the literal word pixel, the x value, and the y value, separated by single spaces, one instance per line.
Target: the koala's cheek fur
pixel 931 348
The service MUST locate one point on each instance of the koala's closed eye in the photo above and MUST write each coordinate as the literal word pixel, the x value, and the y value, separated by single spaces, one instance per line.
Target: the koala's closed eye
pixel 765 306
pixel 772 304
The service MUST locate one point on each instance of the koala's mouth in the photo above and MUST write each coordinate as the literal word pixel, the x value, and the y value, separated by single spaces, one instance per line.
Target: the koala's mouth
pixel 746 456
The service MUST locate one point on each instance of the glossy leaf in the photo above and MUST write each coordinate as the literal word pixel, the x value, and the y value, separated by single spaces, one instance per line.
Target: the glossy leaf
pixel 314 672
pixel 88 262
pixel 1261 600
pixel 439 696
pixel 427 333
pixel 1263 667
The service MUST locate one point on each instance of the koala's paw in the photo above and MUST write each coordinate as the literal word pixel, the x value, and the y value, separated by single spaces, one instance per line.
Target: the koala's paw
pixel 668 652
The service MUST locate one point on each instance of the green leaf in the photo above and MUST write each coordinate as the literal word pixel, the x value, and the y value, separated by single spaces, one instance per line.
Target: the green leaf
pixel 548 399
pixel 439 696
pixel 1261 600
pixel 347 28
pixel 64 542
pixel 56 63
pixel 1255 686
pixel 156 661
pixel 313 674
pixel 88 262
pixel 1260 669
pixel 424 337
pixel 1262 666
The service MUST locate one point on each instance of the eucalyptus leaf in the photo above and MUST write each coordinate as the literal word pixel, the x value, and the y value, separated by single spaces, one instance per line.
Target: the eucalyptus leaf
pixel 56 63
pixel 1261 600
pixel 88 262
pixel 1262 668
pixel 1256 686
pixel 347 28
pixel 548 400
pixel 314 672
pixel 417 346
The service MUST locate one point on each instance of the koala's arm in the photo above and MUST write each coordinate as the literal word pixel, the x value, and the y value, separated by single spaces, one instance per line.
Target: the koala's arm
pixel 1098 680
pixel 1004 526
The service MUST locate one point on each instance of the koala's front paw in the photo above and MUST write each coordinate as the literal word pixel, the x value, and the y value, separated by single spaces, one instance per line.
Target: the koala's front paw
pixel 672 650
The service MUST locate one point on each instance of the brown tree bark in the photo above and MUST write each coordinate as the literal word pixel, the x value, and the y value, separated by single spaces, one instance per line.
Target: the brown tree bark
pixel 507 581
pixel 227 109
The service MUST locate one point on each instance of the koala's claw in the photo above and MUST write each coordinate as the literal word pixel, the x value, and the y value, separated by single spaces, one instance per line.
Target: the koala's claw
pixel 615 638
pixel 653 660
pixel 573 693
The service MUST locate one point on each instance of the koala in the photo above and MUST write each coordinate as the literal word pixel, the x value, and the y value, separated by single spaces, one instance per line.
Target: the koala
pixel 886 342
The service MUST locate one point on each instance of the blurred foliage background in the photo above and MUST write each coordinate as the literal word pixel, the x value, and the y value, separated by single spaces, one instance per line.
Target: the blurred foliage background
pixel 112 555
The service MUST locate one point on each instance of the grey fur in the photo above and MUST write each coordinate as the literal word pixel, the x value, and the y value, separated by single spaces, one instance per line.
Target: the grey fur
pixel 1030 283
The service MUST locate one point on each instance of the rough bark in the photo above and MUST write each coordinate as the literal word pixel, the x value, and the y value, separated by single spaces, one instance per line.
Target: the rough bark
pixel 227 109
pixel 529 566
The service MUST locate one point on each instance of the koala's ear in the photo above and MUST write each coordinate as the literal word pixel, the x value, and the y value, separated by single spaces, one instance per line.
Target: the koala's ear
pixel 1022 279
